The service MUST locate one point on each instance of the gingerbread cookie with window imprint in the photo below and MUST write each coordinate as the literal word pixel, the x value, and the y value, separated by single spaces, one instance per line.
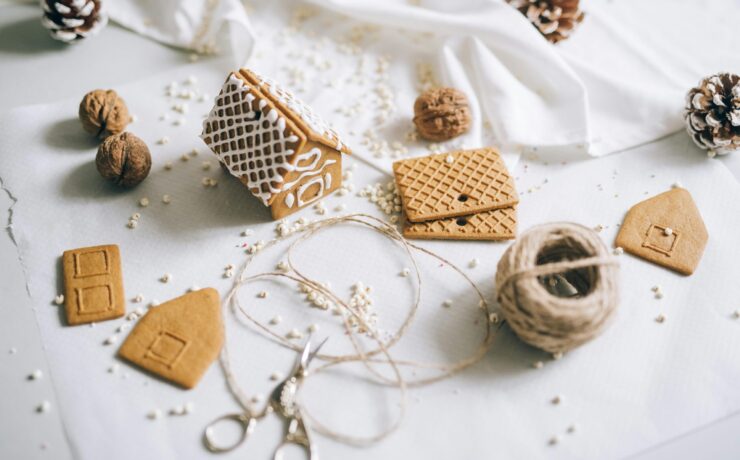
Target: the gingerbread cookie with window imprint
pixel 93 284
pixel 454 184
pixel 667 230
pixel 179 339
pixel 276 145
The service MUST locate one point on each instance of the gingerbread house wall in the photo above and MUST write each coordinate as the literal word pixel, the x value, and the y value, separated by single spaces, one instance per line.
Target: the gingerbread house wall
pixel 318 173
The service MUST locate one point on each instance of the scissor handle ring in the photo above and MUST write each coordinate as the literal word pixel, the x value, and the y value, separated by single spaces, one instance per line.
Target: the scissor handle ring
pixel 244 420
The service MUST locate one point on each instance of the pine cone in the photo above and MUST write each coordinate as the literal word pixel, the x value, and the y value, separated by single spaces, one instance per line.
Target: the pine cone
pixel 713 113
pixel 555 19
pixel 72 20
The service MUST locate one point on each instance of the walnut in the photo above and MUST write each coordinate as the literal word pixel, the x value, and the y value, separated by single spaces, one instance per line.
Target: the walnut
pixel 441 114
pixel 103 112
pixel 123 159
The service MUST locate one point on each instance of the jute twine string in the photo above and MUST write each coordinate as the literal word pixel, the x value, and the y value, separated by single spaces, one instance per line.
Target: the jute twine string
pixel 557 286
pixel 378 356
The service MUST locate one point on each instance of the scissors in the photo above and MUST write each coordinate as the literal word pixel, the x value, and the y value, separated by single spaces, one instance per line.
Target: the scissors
pixel 283 401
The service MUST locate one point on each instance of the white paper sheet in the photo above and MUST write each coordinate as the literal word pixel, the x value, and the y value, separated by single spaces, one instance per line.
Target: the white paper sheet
pixel 639 384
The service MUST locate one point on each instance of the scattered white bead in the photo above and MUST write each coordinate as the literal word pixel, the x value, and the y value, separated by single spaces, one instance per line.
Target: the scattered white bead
pixel 556 400
pixel 189 407
pixel 557 355
pixel 168 165
pixel 166 199
pixel 194 288
pixel 313 328
pixel 572 428
pixel 618 251
pixel 405 272
pixel 493 318
pixel 154 303
pixel 553 440
pixel 668 231
pixel 473 263
pixel 45 406
pixel 111 340
pixel 166 278
pixel 538 364
pixel 277 319
pixel 114 368
pixel 139 298
pixel 35 375
pixel 283 266
pixel 599 228
pixel 205 166
pixel 660 318
pixel 736 314
pixel 123 327
pixel 194 153
pixel 247 232
pixel 275 376
pixel 59 299
pixel 132 224
pixel 449 159
pixel 676 185
pixel 294 334
pixel 257 398
pixel 447 303
pixel 163 140
pixel 191 80
pixel 177 410
pixel 154 414
pixel 262 294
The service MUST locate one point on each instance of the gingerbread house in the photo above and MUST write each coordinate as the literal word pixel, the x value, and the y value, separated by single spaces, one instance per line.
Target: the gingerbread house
pixel 276 145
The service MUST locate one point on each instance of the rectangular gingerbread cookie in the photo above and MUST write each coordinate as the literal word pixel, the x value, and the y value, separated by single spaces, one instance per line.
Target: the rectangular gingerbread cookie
pixel 493 225
pixel 93 285
pixel 454 184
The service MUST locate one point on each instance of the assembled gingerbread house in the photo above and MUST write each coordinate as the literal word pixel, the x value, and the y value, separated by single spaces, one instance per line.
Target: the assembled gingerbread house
pixel 273 143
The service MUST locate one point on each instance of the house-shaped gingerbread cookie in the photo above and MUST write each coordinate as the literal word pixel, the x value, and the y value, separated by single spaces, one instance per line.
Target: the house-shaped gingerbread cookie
pixel 276 145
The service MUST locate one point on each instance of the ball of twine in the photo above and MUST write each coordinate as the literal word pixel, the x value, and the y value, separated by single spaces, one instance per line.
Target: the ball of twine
pixel 557 286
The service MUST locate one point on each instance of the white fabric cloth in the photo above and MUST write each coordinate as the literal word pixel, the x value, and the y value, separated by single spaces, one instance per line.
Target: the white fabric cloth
pixel 619 81
pixel 201 25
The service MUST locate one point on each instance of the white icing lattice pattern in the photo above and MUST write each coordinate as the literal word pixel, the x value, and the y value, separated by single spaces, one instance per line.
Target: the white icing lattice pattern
pixel 253 144
pixel 305 112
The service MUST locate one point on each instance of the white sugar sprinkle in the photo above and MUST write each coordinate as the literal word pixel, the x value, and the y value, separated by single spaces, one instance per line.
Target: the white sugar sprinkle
pixel 736 314
pixel 122 327
pixel 668 231
pixel 556 400
pixel 277 319
pixel 405 272
pixel 35 375
pixel 473 263
pixel 247 232
pixel 660 318
pixel 111 340
pixel 139 298
pixel 163 140
pixel 59 299
pixel 45 406
pixel 493 318
pixel 166 199
pixel 557 355
pixel 449 159
pixel 262 294
pixel 189 407
pixel 154 414
pixel 618 251
pixel 572 428
pixel 294 334
pixel 114 368
pixel 538 364
pixel 553 440
pixel 276 376
pixel 447 303
pixel 166 278
pixel 313 328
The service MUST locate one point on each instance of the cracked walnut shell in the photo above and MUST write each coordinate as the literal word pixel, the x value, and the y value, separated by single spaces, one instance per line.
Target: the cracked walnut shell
pixel 123 159
pixel 103 112
pixel 441 114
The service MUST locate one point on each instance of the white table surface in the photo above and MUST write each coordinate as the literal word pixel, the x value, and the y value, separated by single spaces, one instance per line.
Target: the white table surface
pixel 34 69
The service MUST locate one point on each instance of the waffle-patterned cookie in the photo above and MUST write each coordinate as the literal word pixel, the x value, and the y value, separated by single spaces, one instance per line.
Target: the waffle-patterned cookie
pixel 454 184
pixel 494 225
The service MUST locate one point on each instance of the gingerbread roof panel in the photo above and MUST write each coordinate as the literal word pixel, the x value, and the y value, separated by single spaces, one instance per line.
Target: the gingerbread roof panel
pixel 252 138
pixel 315 127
